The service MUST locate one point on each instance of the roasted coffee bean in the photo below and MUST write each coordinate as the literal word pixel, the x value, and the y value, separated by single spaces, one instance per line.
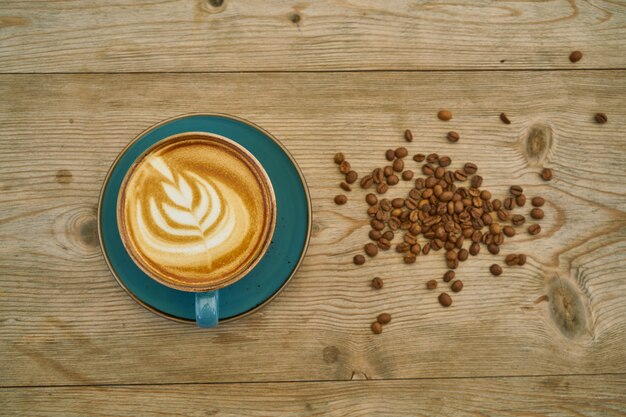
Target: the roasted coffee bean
pixel 495 270
pixel 351 177
pixel 383 243
pixel 377 224
pixel 377 328
pixel 521 259
pixel 445 300
pixel 444 161
pixel 448 276
pixel 375 234
pixel 408 135
pixel 407 175
pixel 546 174
pixel 497 204
pixel 392 180
pixel 459 176
pixel 474 249
pixel 370 249
pixel 450 255
pixel 402 247
pixel 516 190
pixel 419 157
pixel 344 186
pixel 405 225
pixel 378 176
pixel 493 248
pixel 339 158
pixel 509 203
pixel 511 259
pixel 371 199
pixel 457 286
pixel 426 249
pixel 452 264
pixel 401 152
pixel 446 196
pixel 372 211
pixel 534 229
pixel 377 283
pixel 504 119
pixel 358 259
pixel 518 220
pixel 388 170
pixel 463 255
pixel 477 236
pixel 344 167
pixel 396 212
pixel 459 242
pixel 601 118
pixel 397 202
pixel 432 158
pixel 367 181
pixel 431 285
pixel 409 258
pixel 575 56
pixel 382 188
pixel 476 181
pixel 495 228
pixel 508 231
pixel 390 155
pixel 416 248
pixel 487 219
pixel 439 172
pixel 381 215
pixel 384 318
pixel 415 229
pixel 498 239
pixel 444 115
pixel 341 199
pixel 470 168
pixel 394 223
pixel 536 213
pixel 427 169
pixel 389 235
pixel 385 204
pixel 538 201
pixel 520 200
pixel 398 165
pixel 503 215
pixel 453 136
pixel 485 195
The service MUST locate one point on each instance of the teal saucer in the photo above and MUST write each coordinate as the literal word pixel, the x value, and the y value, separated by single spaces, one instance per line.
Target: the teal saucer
pixel 280 262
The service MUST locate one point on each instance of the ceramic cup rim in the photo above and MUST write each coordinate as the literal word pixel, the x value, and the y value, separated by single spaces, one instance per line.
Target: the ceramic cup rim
pixel 269 200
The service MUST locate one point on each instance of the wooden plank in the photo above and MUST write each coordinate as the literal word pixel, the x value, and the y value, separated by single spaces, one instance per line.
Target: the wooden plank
pixel 64 320
pixel 599 395
pixel 279 35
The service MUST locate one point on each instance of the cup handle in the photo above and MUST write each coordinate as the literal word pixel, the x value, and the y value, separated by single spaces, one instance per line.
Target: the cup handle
pixel 207 308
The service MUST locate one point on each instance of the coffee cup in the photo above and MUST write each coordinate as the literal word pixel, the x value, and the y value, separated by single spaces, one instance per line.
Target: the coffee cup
pixel 196 212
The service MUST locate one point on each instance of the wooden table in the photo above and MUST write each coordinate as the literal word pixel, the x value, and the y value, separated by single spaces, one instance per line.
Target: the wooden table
pixel 80 79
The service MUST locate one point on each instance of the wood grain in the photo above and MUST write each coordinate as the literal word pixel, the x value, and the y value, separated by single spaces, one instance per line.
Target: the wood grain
pixel 575 396
pixel 64 320
pixel 280 35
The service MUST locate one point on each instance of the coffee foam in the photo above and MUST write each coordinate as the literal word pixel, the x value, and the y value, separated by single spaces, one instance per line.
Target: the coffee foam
pixel 195 213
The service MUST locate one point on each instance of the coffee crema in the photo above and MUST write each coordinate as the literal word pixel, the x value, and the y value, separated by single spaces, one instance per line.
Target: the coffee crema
pixel 196 211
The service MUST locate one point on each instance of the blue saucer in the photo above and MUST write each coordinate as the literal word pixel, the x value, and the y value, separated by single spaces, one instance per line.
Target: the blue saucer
pixel 280 262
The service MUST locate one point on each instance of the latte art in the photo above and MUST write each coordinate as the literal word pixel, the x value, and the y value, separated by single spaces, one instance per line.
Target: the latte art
pixel 196 212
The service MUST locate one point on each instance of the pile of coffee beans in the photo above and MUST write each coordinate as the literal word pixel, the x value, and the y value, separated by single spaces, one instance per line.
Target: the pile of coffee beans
pixel 446 211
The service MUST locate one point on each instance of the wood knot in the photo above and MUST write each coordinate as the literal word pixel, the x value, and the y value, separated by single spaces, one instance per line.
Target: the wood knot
pixel 538 143
pixel 330 354
pixel 212 6
pixel 63 176
pixel 77 230
pixel 566 308
pixel 316 228
pixel 295 18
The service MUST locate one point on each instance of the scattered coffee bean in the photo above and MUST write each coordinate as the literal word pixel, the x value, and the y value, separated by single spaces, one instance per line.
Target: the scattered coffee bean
pixel 384 244
pixel 453 137
pixel 375 234
pixel 371 249
pixel 493 248
pixel 470 168
pixel 457 286
pixel 474 249
pixel 445 300
pixel 341 199
pixel 495 269
pixel 444 115
pixel 534 229
pixel 575 56
pixel 392 180
pixel 339 158
pixel 516 190
pixel 377 283
pixel 390 155
pixel 444 161
pixel 377 328
pixel 426 249
pixel 344 167
pixel 431 285
pixel 448 276
pixel 389 235
pixel 419 157
pixel 384 318
pixel 521 259
pixel 476 181
pixel 520 200
pixel 388 170
pixel 504 119
pixel 536 213
pixel 408 175
pixel 359 259
pixel 367 181
pixel 401 152
pixel 371 199
pixel 409 258
pixel 508 231
pixel 398 165
pixel 601 118
pixel 518 220
pixel 382 188
pixel 463 255
pixel 538 201
pixel 344 186
pixel 511 259
pixel 509 204
pixel 546 174
pixel 408 135
pixel 351 177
